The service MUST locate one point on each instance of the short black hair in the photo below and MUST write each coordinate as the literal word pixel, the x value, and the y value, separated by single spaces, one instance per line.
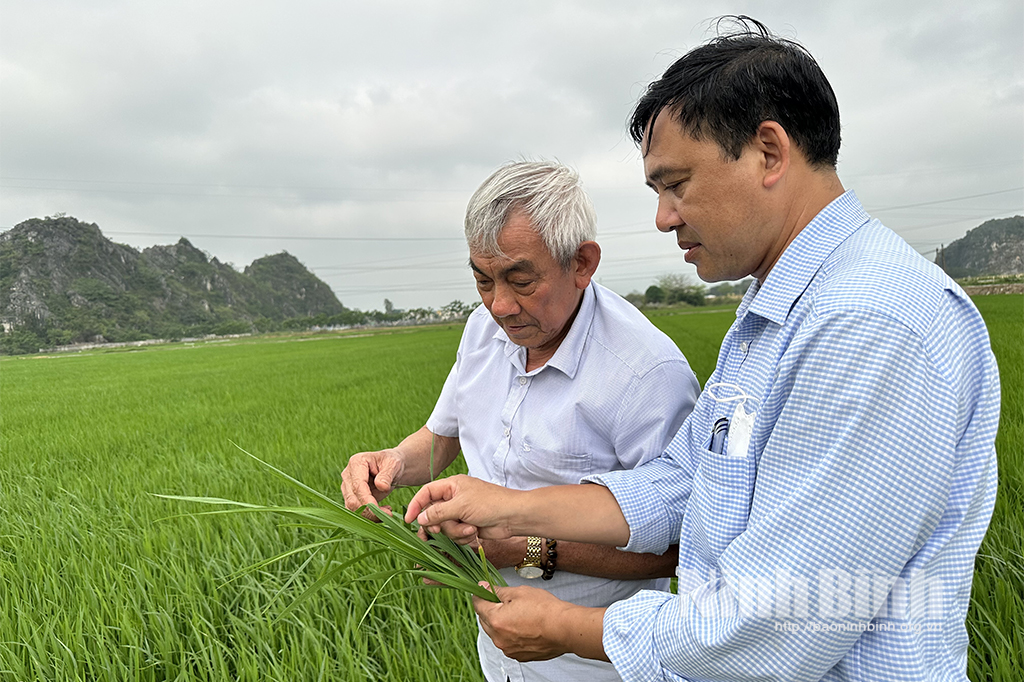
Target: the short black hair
pixel 725 89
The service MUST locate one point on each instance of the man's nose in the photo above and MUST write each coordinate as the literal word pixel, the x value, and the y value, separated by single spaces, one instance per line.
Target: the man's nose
pixel 666 219
pixel 505 303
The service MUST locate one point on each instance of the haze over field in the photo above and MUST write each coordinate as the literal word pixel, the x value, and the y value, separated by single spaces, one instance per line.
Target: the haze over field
pixel 351 135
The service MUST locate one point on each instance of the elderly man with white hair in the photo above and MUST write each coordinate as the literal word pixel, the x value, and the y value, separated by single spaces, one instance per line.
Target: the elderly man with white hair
pixel 556 378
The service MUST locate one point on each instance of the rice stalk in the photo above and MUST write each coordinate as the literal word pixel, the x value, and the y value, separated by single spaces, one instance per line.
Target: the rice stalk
pixel 437 558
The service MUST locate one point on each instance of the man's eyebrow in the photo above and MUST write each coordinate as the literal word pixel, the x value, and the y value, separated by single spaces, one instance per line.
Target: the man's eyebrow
pixel 658 174
pixel 518 266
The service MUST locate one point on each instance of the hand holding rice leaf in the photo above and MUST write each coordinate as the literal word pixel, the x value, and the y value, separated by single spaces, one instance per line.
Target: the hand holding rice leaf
pixel 438 558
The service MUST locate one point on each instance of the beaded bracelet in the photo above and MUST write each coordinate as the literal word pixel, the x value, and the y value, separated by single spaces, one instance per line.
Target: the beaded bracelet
pixel 549 567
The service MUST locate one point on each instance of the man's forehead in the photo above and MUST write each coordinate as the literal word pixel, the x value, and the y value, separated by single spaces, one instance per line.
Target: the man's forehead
pixel 658 138
pixel 499 264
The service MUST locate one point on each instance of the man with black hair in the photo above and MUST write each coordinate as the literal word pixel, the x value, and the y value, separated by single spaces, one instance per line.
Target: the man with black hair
pixel 834 481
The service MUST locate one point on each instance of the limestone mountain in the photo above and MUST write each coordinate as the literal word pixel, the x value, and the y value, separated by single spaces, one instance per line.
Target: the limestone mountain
pixel 996 247
pixel 62 281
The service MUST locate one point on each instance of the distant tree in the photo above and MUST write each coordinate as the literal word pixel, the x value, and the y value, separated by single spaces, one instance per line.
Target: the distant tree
pixel 654 294
pixel 21 341
pixel 679 288
pixel 389 307
pixel 232 327
pixel 723 289
pixel 636 298
pixel 419 314
pixel 673 280
pixel 731 288
pixel 456 309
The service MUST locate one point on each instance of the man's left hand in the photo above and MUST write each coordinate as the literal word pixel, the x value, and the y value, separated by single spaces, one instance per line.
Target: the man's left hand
pixel 532 625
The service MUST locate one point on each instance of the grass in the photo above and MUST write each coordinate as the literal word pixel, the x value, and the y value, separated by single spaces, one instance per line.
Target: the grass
pixel 997 600
pixel 95 583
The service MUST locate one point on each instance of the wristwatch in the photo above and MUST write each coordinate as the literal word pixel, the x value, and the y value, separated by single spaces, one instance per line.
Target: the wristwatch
pixel 530 565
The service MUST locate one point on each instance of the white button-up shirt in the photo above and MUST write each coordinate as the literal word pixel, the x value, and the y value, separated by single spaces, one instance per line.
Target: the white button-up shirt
pixel 610 398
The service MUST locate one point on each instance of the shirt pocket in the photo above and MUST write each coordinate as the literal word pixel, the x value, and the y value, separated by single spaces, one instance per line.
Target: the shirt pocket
pixel 719 505
pixel 540 465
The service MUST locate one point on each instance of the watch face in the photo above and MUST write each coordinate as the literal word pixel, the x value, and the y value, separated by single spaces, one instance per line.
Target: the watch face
pixel 530 572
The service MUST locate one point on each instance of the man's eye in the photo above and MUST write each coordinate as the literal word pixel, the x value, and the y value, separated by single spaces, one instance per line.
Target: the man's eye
pixel 521 285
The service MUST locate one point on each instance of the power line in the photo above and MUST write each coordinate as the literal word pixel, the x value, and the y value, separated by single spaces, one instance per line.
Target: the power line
pixel 229 186
pixel 225 195
pixel 946 201
pixel 290 237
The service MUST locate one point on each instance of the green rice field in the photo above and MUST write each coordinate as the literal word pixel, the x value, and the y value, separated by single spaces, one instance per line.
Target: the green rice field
pixel 99 581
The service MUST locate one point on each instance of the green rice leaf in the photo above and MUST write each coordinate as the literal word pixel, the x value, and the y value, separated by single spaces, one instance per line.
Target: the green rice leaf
pixel 438 558
pixel 330 574
pixel 459 583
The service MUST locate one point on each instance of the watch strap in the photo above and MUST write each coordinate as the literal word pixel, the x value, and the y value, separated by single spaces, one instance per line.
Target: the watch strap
pixel 530 566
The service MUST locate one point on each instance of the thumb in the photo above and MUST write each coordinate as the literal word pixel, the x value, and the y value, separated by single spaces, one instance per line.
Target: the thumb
pixel 483 605
pixel 502 593
pixel 444 517
pixel 382 482
pixel 384 479
pixel 427 505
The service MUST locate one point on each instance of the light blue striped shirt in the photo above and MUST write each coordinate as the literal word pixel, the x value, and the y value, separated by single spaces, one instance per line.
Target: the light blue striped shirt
pixel 840 544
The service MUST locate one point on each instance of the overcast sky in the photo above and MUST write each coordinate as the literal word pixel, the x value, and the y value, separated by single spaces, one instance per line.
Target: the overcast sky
pixel 352 134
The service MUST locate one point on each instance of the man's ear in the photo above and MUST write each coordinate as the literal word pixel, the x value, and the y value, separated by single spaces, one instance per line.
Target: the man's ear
pixel 776 150
pixel 587 258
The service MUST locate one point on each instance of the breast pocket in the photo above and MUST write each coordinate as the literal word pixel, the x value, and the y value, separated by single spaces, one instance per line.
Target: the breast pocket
pixel 718 508
pixel 540 466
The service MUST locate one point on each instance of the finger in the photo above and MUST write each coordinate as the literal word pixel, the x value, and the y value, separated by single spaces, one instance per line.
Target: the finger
pixel 370 516
pixel 484 607
pixel 384 479
pixel 462 533
pixel 426 496
pixel 355 484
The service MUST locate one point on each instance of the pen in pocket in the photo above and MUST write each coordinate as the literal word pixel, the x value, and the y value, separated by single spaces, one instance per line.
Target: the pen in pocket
pixel 718 432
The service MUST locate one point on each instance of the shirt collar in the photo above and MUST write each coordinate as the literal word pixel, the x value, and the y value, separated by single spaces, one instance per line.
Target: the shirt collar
pixel 569 353
pixel 804 256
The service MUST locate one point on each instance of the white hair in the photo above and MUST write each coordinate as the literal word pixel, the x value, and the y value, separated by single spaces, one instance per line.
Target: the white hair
pixel 549 194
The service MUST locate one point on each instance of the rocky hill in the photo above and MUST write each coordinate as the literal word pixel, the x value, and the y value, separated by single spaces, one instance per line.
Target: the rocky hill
pixel 996 247
pixel 62 281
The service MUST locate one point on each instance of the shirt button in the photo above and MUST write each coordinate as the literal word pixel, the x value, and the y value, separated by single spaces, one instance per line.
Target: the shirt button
pixel 506 433
pixel 522 381
pixel 744 346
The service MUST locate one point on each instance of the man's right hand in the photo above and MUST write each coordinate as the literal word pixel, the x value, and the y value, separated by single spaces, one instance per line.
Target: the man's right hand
pixel 463 508
pixel 370 476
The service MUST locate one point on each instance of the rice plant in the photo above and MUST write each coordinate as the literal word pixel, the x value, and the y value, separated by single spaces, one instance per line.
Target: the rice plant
pixel 437 559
